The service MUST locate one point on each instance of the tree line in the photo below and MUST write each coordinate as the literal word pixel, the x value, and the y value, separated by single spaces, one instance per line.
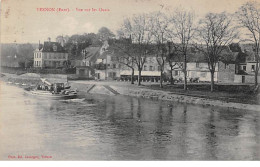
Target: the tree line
pixel 169 36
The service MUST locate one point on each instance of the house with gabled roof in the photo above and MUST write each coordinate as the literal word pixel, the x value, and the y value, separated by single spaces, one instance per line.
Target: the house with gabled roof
pixel 85 62
pixel 247 65
pixel 107 67
pixel 197 67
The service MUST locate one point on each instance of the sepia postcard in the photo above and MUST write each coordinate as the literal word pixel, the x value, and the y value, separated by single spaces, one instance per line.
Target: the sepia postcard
pixel 130 80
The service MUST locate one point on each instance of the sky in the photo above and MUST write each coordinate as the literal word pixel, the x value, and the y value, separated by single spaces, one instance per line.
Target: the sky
pixel 22 21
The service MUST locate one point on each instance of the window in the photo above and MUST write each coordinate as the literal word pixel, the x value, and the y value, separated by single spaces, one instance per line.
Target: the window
pixel 158 68
pixel 197 65
pixel 151 68
pixel 193 74
pixel 226 66
pixel 203 74
pixel 145 68
pixel 111 74
pixel 244 68
pixel 114 65
pixel 176 73
pixel 253 68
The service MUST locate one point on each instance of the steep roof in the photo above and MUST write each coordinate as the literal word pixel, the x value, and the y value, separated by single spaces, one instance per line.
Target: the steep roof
pixel 92 53
pixel 105 54
pixel 52 47
pixel 250 56
pixel 229 55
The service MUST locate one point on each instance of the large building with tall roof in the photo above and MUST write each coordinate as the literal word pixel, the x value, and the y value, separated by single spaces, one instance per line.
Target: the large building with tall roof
pixel 50 55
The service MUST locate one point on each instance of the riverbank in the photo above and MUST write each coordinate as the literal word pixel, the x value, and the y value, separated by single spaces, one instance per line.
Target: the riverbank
pixel 144 91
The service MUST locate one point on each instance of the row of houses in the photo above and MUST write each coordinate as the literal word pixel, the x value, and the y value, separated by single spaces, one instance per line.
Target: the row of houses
pixel 99 62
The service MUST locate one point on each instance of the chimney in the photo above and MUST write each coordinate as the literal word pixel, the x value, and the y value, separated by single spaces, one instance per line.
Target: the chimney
pixel 62 41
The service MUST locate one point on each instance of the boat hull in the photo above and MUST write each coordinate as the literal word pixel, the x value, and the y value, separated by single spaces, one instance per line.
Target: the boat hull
pixel 49 95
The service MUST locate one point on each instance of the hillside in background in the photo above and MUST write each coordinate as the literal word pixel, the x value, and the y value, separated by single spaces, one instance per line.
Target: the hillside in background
pixel 14 55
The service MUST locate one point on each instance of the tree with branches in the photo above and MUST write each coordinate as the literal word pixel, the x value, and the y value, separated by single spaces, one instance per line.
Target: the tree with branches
pixel 173 59
pixel 183 30
pixel 215 34
pixel 249 19
pixel 123 48
pixel 138 28
pixel 158 25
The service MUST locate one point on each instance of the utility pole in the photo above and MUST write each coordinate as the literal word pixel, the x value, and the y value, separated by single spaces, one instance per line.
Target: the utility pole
pixel 84 52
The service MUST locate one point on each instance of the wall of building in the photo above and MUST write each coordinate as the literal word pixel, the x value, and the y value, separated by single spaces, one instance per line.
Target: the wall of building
pixel 100 74
pixel 37 59
pixel 248 79
pixel 49 59
pixel 226 73
pixel 52 59
pixel 83 72
pixel 151 68
pixel 249 69
pixel 204 76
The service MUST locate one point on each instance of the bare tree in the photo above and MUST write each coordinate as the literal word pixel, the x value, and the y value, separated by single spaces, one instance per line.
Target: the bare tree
pixel 215 33
pixel 138 28
pixel 182 27
pixel 159 24
pixel 124 50
pixel 249 18
pixel 173 59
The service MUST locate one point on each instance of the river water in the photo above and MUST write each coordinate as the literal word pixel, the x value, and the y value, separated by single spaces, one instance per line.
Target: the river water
pixel 122 128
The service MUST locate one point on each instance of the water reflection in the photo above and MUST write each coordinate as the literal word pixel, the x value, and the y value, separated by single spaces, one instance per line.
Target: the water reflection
pixel 125 128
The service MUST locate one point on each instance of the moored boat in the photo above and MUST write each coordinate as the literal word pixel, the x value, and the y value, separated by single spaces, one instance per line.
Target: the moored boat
pixel 52 91
pixel 50 95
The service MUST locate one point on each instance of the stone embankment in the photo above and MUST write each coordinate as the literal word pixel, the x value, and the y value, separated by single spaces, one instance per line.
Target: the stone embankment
pixel 158 95
pixel 114 89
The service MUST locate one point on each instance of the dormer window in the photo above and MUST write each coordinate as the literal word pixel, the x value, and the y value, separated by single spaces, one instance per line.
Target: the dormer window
pixel 54 48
